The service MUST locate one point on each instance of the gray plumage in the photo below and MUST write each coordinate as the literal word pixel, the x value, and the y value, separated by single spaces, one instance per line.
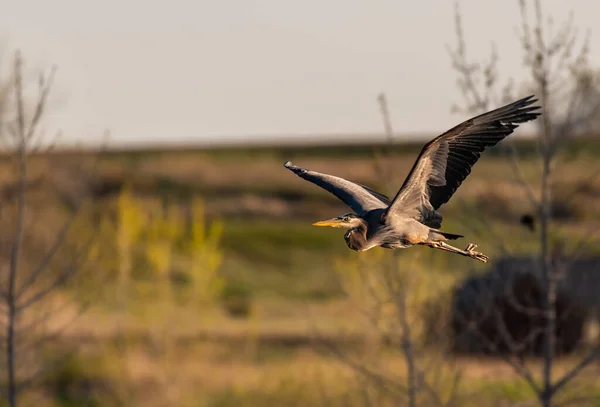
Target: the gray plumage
pixel 411 217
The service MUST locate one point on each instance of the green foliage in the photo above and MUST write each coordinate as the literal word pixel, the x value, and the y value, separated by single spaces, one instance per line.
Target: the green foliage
pixel 236 299
pixel 130 220
pixel 284 392
pixel 514 390
pixel 203 248
pixel 155 242
pixel 161 234
pixel 79 383
pixel 276 242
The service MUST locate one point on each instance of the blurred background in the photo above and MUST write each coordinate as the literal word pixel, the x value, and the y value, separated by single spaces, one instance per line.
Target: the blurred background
pixel 154 251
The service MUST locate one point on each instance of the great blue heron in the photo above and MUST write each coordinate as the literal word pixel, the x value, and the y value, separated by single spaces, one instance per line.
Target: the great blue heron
pixel 411 218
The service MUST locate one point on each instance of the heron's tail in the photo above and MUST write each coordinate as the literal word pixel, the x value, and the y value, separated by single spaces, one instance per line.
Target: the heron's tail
pixel 448 236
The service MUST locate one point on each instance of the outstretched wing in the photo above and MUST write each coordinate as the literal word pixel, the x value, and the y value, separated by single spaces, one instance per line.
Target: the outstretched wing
pixel 446 161
pixel 358 197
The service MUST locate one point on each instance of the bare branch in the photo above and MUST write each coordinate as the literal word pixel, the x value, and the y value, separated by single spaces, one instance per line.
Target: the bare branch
pixel 529 191
pixel 67 272
pixel 520 368
pixel 44 90
pixel 18 328
pixel 42 266
pixel 18 238
pixel 571 374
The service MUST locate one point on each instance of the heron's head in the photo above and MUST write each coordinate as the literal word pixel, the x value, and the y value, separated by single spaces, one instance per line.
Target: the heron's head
pixel 346 221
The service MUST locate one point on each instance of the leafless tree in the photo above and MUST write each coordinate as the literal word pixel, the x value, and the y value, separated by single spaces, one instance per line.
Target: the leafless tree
pixel 32 269
pixel 399 290
pixel 568 89
pixel 392 299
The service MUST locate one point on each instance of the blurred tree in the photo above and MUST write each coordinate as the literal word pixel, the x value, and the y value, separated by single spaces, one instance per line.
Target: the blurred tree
pixel 206 256
pixel 395 297
pixel 130 221
pixel 569 91
pixel 36 263
pixel 395 304
pixel 173 248
pixel 164 231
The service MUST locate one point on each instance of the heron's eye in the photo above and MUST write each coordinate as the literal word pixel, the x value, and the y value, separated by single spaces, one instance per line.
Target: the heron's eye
pixel 346 219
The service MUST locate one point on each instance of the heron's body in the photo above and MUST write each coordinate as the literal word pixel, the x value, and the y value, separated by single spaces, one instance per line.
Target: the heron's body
pixel 411 218
pixel 401 233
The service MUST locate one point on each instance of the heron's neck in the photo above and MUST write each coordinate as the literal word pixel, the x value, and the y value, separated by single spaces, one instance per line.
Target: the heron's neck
pixel 356 238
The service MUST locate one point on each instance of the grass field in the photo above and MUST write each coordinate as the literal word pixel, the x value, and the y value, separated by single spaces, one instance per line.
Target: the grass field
pixel 165 348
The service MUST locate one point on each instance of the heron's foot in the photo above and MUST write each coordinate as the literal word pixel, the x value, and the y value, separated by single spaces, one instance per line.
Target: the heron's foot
pixel 476 255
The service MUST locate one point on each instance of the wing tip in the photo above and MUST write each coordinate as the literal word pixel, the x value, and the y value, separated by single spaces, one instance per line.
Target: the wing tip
pixel 288 164
pixel 531 112
pixel 521 111
pixel 528 101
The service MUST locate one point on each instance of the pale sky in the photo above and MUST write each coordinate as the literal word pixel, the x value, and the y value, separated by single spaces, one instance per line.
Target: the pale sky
pixel 196 71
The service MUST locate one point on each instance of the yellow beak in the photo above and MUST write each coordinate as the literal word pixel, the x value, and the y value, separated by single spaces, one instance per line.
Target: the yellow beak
pixel 334 223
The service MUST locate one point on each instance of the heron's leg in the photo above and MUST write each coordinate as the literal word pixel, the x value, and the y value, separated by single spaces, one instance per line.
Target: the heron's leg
pixel 468 252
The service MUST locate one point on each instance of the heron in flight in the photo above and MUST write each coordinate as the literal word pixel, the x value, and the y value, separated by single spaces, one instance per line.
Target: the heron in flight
pixel 411 218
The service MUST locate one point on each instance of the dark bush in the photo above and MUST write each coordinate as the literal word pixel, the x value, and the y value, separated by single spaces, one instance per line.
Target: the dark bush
pixel 74 383
pixel 236 298
pixel 501 311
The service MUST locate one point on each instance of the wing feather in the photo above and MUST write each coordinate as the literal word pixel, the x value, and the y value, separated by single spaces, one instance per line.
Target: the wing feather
pixel 446 161
pixel 358 197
